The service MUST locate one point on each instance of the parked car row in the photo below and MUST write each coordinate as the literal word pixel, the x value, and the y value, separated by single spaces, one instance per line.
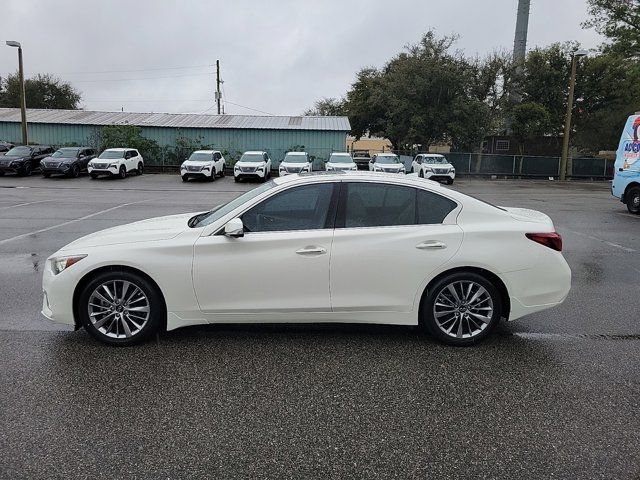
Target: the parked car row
pixel 70 161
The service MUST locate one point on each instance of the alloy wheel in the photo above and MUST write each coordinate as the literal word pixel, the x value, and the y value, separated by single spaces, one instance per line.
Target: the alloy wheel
pixel 463 309
pixel 118 309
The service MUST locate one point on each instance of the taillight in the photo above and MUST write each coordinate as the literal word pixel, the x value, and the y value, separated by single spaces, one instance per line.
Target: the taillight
pixel 552 240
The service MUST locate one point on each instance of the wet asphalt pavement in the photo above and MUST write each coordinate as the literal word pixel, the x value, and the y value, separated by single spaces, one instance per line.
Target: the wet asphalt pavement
pixel 552 395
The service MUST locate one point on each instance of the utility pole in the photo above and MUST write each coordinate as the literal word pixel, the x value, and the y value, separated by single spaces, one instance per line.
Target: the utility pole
pixel 567 122
pixel 520 41
pixel 23 99
pixel 218 94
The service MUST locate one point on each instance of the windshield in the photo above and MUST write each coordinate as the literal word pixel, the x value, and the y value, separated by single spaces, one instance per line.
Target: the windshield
pixel 200 157
pixel 252 157
pixel 434 160
pixel 19 151
pixel 220 211
pixel 66 153
pixel 387 159
pixel 340 159
pixel 112 154
pixel 294 158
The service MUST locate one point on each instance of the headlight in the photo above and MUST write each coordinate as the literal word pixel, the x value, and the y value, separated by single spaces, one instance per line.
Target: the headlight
pixel 111 165
pixel 236 167
pixel 329 168
pixel 205 168
pixel 59 264
pixel 354 168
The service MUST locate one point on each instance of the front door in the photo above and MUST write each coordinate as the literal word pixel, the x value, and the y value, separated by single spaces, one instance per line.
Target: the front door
pixel 279 266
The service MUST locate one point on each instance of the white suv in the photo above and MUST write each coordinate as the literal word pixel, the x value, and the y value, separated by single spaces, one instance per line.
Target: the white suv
pixel 434 167
pixel 295 162
pixel 386 162
pixel 203 164
pixel 252 165
pixel 340 161
pixel 116 162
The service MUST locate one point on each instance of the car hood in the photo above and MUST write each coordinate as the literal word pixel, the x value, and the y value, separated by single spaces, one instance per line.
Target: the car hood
pixel 199 163
pixel 250 164
pixel 153 229
pixel 341 165
pixel 438 165
pixel 59 160
pixel 390 166
pixel 295 165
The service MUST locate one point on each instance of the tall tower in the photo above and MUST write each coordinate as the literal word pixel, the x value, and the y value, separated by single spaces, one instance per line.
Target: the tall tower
pixel 522 28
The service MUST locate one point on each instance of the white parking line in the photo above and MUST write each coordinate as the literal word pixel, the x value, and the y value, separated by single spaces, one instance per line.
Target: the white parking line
pixel 69 222
pixel 24 204
pixel 611 244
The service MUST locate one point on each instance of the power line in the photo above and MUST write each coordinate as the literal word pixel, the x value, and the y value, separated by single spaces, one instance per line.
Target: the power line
pixel 105 80
pixel 249 108
pixel 86 72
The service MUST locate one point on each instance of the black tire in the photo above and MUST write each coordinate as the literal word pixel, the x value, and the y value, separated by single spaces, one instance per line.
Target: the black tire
pixel 185 178
pixel 26 170
pixel 75 171
pixel 122 173
pixel 428 319
pixel 46 175
pixel 93 176
pixel 213 175
pixel 222 172
pixel 237 179
pixel 421 174
pixel 411 170
pixel 1 174
pixel 632 199
pixel 154 297
pixel 450 181
pixel 140 169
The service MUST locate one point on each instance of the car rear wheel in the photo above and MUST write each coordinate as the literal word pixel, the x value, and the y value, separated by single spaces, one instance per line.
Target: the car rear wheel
pixel 632 199
pixel 122 173
pixel 222 172
pixel 140 169
pixel 120 308
pixel 461 309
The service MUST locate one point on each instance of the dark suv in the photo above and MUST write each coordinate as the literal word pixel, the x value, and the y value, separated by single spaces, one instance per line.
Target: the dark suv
pixel 69 161
pixel 24 160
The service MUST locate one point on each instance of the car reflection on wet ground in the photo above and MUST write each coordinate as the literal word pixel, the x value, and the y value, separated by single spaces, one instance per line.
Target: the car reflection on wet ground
pixel 552 394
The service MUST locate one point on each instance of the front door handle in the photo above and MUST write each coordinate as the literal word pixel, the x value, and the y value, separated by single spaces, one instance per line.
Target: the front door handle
pixel 311 250
pixel 431 245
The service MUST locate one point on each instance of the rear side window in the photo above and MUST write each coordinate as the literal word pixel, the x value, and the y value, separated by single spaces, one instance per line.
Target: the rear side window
pixel 433 208
pixel 132 153
pixel 384 205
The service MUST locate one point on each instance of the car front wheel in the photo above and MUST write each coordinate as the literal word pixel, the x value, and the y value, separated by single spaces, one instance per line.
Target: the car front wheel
pixel 123 172
pixel 120 308
pixel 461 309
pixel 633 200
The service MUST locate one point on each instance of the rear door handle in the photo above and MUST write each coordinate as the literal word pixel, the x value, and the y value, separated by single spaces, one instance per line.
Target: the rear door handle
pixel 311 250
pixel 431 245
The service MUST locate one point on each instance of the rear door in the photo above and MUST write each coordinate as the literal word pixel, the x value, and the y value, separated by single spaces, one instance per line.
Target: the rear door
pixel 388 240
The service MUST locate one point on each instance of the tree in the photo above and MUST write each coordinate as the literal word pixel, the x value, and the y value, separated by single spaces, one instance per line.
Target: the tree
pixel 42 91
pixel 529 121
pixel 114 136
pixel 333 107
pixel 619 21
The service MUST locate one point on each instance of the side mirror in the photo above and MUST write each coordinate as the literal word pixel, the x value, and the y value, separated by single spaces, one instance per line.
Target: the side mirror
pixel 234 228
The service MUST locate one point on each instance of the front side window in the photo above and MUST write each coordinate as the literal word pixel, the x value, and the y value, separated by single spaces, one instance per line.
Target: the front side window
pixel 383 205
pixel 300 208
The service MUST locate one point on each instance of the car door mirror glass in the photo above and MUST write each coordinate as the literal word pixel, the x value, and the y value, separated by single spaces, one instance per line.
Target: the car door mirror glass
pixel 234 228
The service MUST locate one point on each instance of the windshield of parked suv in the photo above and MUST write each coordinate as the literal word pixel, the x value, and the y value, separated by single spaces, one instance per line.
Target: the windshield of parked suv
pixel 340 159
pixel 289 158
pixel 19 151
pixel 252 157
pixel 434 160
pixel 112 154
pixel 200 157
pixel 65 153
pixel 207 218
pixel 387 159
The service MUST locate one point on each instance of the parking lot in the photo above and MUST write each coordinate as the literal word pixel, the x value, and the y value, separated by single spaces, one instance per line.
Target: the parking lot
pixel 552 395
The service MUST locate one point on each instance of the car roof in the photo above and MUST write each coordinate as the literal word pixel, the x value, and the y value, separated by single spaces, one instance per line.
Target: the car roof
pixel 78 148
pixel 343 154
pixel 119 149
pixel 296 153
pixel 255 151
pixel 431 155
pixel 386 154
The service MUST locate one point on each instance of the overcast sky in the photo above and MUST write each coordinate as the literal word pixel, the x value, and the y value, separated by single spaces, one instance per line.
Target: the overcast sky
pixel 276 56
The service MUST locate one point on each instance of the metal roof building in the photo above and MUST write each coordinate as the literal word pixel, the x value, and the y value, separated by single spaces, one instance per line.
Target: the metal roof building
pixel 231 133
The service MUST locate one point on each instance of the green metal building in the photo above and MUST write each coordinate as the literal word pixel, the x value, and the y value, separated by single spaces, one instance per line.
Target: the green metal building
pixel 232 134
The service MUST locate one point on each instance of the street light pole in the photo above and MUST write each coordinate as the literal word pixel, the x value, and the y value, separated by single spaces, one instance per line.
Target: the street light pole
pixel 23 99
pixel 567 122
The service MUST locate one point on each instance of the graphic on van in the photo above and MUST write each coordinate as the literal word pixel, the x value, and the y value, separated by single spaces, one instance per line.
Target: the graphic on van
pixel 629 149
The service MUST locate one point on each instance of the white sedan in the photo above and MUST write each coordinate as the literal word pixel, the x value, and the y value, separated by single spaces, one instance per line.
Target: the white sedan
pixel 350 246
